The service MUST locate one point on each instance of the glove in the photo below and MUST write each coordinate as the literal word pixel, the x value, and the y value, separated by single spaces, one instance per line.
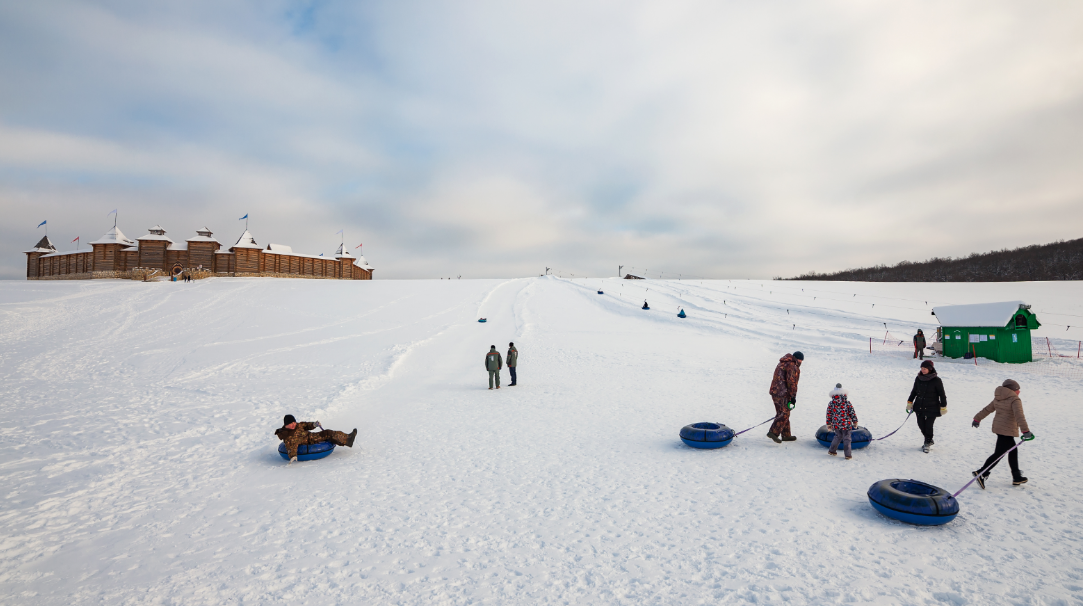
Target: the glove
pixel 943 410
pixel 791 404
pixel 293 460
pixel 975 424
pixel 909 407
pixel 1028 436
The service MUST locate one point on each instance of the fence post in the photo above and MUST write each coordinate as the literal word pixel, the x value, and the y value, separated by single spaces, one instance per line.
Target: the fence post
pixel 1049 347
pixel 1078 348
pixel 870 344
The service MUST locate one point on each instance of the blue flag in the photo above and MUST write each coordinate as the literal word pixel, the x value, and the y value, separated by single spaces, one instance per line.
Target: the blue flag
pixel 40 224
pixel 338 232
pixel 244 217
pixel 110 212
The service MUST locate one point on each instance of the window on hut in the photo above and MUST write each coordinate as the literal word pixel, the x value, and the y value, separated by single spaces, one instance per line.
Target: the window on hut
pixel 1020 321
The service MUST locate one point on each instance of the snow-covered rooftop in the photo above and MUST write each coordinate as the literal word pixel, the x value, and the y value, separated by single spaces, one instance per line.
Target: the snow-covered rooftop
pixel 342 252
pixel 69 252
pixel 201 239
pixel 44 245
pixel 279 248
pixel 246 241
pixel 114 236
pixel 978 314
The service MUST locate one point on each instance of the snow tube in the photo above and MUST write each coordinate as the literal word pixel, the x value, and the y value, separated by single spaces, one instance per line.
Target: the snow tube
pixel 601 293
pixel 706 435
pixel 682 314
pixel 644 307
pixel 482 320
pixel 860 437
pixel 308 452
pixel 913 502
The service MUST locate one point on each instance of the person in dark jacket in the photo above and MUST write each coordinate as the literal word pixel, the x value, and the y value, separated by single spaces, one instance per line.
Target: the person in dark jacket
pixel 512 360
pixel 927 401
pixel 919 345
pixel 784 395
pixel 493 364
pixel 295 434
pixel 1008 421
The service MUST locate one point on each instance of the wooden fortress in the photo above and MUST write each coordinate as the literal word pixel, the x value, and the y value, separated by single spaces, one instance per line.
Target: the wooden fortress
pixel 115 256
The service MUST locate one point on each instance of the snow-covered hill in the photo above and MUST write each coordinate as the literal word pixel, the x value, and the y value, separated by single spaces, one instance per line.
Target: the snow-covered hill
pixel 139 464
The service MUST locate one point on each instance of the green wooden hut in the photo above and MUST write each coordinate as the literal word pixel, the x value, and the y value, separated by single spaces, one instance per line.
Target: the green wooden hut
pixel 997 331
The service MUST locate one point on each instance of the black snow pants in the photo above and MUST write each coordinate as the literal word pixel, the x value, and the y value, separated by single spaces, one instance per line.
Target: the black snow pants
pixel 925 423
pixel 1004 444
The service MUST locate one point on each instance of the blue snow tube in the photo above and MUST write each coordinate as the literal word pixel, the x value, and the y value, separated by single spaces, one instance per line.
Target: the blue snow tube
pixel 913 502
pixel 601 293
pixel 308 452
pixel 644 307
pixel 706 435
pixel 860 437
pixel 482 320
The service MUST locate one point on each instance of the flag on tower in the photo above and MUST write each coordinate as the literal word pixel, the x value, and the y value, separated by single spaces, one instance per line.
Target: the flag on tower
pixel 244 217
pixel 40 224
pixel 356 247
pixel 76 239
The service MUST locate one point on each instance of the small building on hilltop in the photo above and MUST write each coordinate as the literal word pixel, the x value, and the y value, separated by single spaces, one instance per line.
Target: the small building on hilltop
pixel 997 331
pixel 116 256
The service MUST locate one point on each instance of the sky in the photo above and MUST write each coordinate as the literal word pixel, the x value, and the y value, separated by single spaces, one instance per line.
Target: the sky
pixel 496 139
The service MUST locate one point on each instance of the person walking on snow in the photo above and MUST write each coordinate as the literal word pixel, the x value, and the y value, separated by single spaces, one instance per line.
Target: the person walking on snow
pixel 841 419
pixel 296 434
pixel 493 364
pixel 927 401
pixel 513 359
pixel 1008 421
pixel 919 345
pixel 784 395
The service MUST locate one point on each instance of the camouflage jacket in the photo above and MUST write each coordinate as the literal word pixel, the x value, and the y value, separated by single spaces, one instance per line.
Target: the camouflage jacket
pixel 787 373
pixel 295 437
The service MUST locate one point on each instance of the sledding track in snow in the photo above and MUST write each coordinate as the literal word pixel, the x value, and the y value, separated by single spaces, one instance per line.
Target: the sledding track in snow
pixel 139 463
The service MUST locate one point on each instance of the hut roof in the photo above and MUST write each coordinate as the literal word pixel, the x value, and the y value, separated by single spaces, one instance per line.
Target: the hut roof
pixel 246 241
pixel 979 314
pixel 114 236
pixel 44 245
pixel 342 253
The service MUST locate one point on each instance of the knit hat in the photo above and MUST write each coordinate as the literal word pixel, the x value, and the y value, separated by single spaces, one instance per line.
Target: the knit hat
pixel 798 355
pixel 928 364
pixel 287 420
pixel 492 348
pixel 512 344
pixel 1010 384
pixel 838 385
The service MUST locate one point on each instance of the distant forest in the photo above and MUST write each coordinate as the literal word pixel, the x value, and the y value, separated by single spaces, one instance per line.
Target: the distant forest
pixel 1057 261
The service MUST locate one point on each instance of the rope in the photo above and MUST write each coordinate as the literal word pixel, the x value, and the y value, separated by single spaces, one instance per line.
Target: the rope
pixel 755 426
pixel 900 427
pixel 990 466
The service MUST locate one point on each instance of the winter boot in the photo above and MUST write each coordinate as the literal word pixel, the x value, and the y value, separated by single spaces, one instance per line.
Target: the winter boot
pixel 789 438
pixel 931 442
pixel 834 454
pixel 350 437
pixel 925 448
pixel 1019 480
pixel 980 478
pixel 774 436
pixel 848 458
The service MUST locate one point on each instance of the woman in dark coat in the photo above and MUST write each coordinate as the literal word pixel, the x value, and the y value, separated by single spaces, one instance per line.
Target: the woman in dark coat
pixel 927 401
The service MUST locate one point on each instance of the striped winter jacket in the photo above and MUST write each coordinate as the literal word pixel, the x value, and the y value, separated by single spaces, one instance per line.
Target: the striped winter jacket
pixel 840 413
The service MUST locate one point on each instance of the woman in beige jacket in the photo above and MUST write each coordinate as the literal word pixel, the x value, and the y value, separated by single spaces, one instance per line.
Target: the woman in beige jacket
pixel 1008 421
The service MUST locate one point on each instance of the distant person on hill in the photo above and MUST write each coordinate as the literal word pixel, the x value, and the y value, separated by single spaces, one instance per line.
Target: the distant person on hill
pixel 493 364
pixel 927 401
pixel 1008 421
pixel 919 345
pixel 841 419
pixel 296 434
pixel 645 306
pixel 513 359
pixel 784 394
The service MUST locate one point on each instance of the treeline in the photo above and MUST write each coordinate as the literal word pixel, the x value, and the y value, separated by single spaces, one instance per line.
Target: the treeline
pixel 1057 261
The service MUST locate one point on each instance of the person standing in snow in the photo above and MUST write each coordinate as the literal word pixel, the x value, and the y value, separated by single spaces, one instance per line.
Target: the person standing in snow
pixel 513 359
pixel 919 345
pixel 927 401
pixel 784 395
pixel 1008 421
pixel 841 419
pixel 493 364
pixel 296 434
pixel 645 306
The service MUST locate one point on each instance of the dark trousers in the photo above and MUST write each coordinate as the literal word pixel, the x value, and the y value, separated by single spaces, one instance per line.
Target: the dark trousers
pixel 925 423
pixel 919 352
pixel 781 426
pixel 1004 444
pixel 511 369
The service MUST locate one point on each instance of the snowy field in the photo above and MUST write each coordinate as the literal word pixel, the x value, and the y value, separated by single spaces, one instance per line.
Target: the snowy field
pixel 139 464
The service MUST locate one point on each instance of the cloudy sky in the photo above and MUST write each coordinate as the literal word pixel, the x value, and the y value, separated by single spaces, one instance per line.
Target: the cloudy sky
pixel 492 138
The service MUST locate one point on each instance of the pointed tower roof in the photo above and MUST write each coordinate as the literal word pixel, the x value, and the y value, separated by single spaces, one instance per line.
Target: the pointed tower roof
pixel 155 234
pixel 44 245
pixel 246 241
pixel 342 253
pixel 114 236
